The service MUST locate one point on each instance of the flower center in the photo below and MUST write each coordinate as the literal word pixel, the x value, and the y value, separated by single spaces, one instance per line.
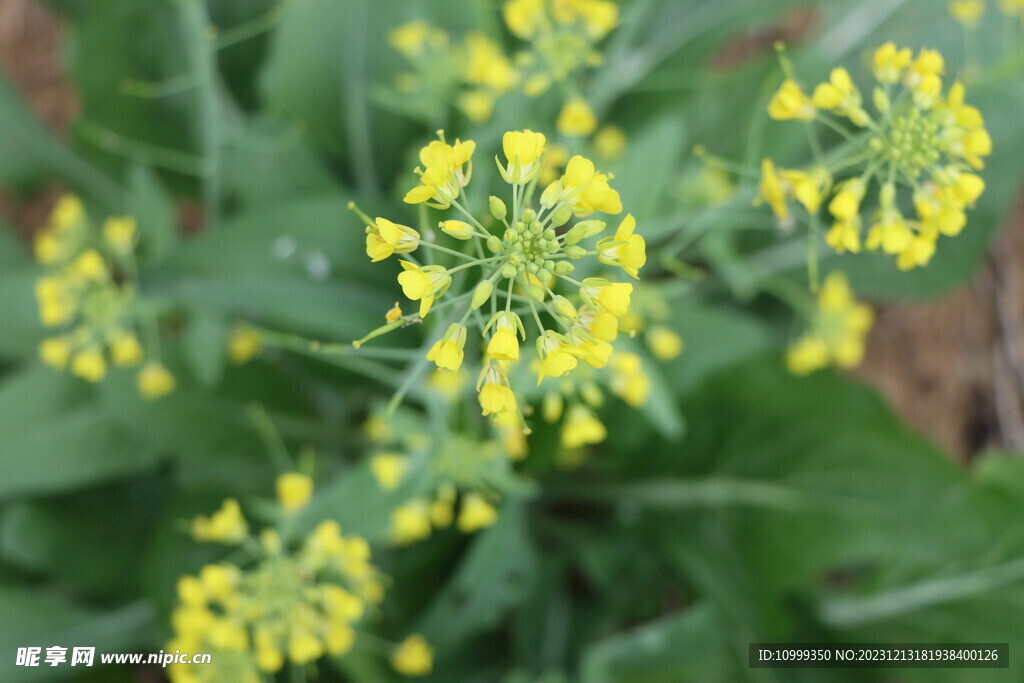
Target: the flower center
pixel 913 143
pixel 530 248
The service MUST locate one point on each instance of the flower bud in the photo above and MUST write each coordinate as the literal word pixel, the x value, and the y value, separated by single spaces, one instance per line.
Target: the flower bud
pixel 535 292
pixel 498 209
pixel 551 194
pixel 574 252
pixel 460 230
pixel 561 217
pixel 564 267
pixel 583 230
pixel 529 215
pixel 481 294
pixel 564 307
pixel 508 271
pixel 881 100
pixel 887 195
pixel 494 244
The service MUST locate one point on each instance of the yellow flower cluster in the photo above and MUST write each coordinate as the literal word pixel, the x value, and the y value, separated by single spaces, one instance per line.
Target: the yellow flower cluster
pixel 532 258
pixel 929 142
pixel 839 327
pixel 88 296
pixel 563 35
pixel 287 606
pixel 476 67
pixel 416 519
pixel 475 72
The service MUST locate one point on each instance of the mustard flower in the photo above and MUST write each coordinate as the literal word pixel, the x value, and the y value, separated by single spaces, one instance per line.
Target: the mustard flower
pixel 837 332
pixel 524 266
pixel 929 142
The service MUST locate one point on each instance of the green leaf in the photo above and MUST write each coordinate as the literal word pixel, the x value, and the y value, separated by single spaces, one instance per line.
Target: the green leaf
pixel 687 646
pixel 45 619
pixel 205 347
pixel 495 575
pixel 54 437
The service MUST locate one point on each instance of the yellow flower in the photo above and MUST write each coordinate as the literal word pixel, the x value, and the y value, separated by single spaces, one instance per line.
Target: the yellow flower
pixel 576 118
pixel 523 150
pixel 89 364
pixel 410 522
pixel 967 12
pixel 626 250
pixel 846 203
pixel 555 354
pixel 394 313
pixel 447 351
pixel 155 381
pixel 587 190
pixel 599 324
pixel 837 333
pixel 890 232
pixel 525 18
pixel 475 514
pixel 844 236
pixel 385 238
pixel 504 342
pixel 226 525
pixel 412 38
pixel 413 657
pixel 303 646
pixel 610 142
pixel 495 395
pixel 889 62
pixel 120 233
pixel 790 102
pixel 244 344
pixel 423 283
pixel 610 297
pixel 772 190
pixel 294 491
pixel 582 428
pixel 918 252
pixel 55 352
pixel 629 381
pixel 841 95
pixel 809 187
pixel 664 343
pixel 446 170
pixel 484 64
pixel 90 266
pixel 268 657
pixel 388 469
pixel 460 230
pixel 125 349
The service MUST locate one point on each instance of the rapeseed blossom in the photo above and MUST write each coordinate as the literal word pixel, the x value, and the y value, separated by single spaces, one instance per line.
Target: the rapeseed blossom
pixel 523 273
pixel 87 296
pixel 920 139
pixel 839 326
pixel 284 605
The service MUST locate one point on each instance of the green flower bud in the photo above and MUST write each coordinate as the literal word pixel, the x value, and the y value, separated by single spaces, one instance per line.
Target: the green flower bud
pixel 543 274
pixel 551 194
pixel 481 294
pixel 882 103
pixel 549 234
pixel 574 252
pixel 564 267
pixel 529 215
pixel 498 209
pixel 494 244
pixel 887 195
pixel 508 271
pixel 535 292
pixel 583 230
pixel 561 217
